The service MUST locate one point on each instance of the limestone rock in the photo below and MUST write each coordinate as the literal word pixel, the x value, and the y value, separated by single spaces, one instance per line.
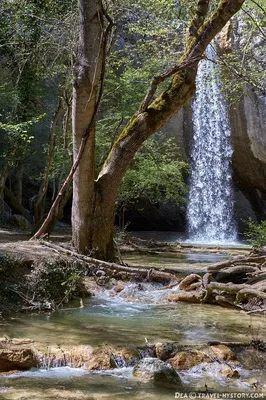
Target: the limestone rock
pixel 185 360
pixel 228 372
pixel 99 359
pixel 164 351
pixel 223 353
pixel 17 359
pixel 157 371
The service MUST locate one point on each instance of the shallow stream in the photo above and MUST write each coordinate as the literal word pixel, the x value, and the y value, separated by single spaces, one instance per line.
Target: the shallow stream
pixel 137 315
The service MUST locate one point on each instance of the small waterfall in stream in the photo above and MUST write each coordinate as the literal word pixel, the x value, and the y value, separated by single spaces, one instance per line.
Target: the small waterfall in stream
pixel 210 212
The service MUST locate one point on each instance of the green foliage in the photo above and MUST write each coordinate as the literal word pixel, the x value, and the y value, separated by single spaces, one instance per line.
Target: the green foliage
pixel 54 283
pixel 246 62
pixel 157 174
pixel 256 233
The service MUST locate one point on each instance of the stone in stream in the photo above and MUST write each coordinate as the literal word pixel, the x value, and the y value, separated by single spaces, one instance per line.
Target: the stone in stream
pixel 156 371
pixel 223 352
pixel 229 372
pixel 18 358
pixel 185 360
pixel 164 351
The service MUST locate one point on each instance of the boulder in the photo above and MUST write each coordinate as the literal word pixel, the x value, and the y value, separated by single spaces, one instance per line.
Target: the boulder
pixel 99 359
pixel 17 359
pixel 156 371
pixel 187 359
pixel 229 372
pixel 164 351
pixel 223 352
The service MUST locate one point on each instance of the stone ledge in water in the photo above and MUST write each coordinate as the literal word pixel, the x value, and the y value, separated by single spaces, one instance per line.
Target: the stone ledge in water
pixel 185 360
pixel 157 371
pixel 17 355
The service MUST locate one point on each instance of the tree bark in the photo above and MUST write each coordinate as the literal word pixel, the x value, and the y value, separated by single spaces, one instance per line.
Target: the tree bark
pixel 39 204
pixel 86 83
pixel 15 205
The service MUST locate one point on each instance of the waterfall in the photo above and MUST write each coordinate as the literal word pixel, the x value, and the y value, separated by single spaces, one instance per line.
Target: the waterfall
pixel 210 212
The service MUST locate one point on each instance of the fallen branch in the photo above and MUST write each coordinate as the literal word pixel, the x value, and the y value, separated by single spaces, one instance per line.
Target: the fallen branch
pixel 248 292
pixel 235 272
pixel 229 344
pixel 153 275
pixel 253 260
pixel 171 286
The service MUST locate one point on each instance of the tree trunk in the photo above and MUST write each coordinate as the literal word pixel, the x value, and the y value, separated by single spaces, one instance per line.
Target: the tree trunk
pixel 17 182
pixel 86 82
pixel 15 205
pixel 39 206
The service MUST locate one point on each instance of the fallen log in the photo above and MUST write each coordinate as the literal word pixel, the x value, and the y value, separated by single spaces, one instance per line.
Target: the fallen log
pixel 224 302
pixel 188 280
pixel 256 279
pixel 154 275
pixel 248 293
pixel 227 287
pixel 228 344
pixel 185 297
pixel 253 261
pixel 235 273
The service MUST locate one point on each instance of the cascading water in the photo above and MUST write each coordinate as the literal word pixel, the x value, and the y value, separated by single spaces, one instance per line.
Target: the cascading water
pixel 210 212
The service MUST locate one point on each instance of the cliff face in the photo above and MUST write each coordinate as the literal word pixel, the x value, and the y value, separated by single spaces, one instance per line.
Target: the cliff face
pixel 248 125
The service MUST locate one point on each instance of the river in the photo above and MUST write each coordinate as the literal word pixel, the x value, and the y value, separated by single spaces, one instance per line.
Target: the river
pixel 137 315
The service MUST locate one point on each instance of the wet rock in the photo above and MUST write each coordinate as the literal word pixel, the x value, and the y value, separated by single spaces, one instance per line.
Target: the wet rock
pixel 17 359
pixel 187 359
pixel 90 284
pixel 228 372
pixel 185 297
pixel 99 359
pixel 119 287
pixel 223 352
pixel 164 351
pixel 157 371
pixel 124 357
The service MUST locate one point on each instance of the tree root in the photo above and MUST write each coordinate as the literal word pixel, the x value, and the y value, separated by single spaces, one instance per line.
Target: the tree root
pixel 153 275
pixel 231 284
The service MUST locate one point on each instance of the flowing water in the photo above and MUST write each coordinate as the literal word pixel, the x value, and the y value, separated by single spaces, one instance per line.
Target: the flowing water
pixel 210 212
pixel 139 313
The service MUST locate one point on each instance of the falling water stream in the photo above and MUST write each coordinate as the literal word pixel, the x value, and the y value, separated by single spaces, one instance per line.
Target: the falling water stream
pixel 210 212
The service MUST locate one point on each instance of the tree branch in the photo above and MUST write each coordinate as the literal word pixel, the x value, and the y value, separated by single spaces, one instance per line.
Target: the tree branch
pixel 161 78
pixel 199 17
